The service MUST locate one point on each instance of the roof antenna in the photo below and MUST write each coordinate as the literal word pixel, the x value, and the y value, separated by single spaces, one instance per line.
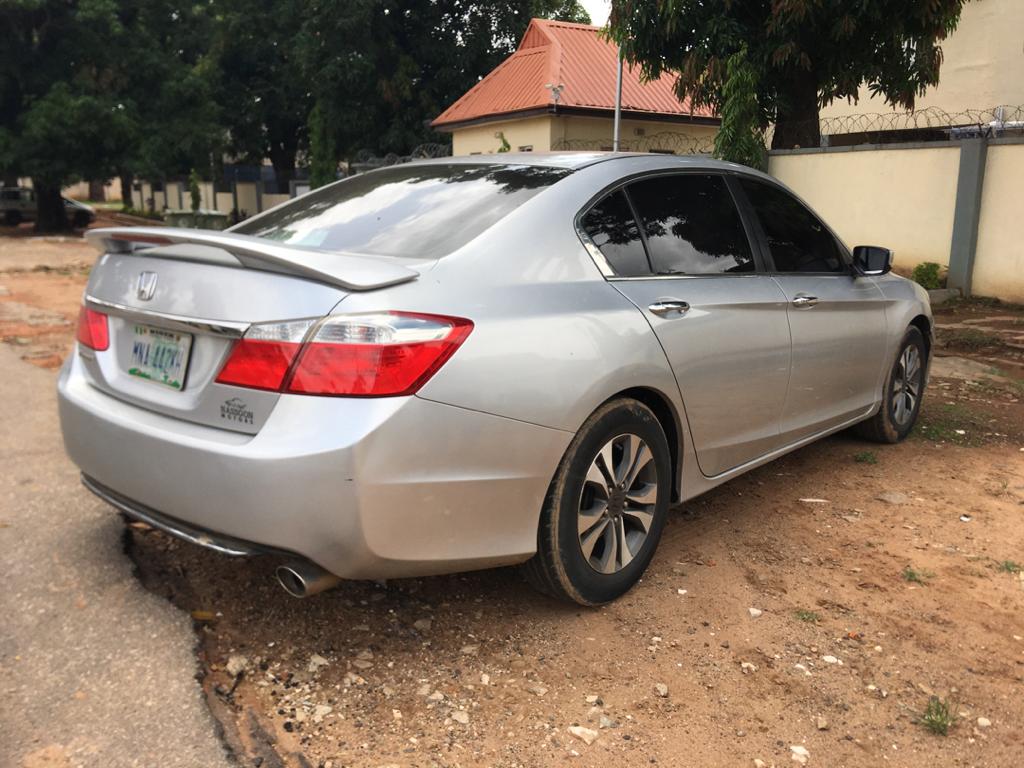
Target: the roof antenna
pixel 556 92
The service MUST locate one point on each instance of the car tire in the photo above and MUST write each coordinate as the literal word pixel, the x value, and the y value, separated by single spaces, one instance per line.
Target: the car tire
pixel 12 218
pixel 81 220
pixel 901 401
pixel 599 527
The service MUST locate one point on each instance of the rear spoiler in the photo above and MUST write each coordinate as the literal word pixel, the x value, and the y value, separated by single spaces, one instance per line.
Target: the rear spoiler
pixel 350 271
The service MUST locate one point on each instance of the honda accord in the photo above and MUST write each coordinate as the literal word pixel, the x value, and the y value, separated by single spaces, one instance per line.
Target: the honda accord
pixel 482 361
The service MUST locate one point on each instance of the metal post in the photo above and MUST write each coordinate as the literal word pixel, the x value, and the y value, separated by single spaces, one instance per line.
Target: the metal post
pixel 967 213
pixel 618 105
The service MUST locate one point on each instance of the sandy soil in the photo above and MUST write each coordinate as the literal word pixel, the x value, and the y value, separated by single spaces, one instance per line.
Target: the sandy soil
pixel 885 576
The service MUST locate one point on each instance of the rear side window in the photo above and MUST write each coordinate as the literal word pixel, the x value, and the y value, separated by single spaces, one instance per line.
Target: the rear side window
pixel 692 225
pixel 798 241
pixel 610 224
pixel 422 211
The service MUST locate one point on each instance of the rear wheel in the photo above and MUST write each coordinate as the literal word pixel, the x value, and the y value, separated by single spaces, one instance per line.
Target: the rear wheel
pixel 12 218
pixel 606 507
pixel 901 398
pixel 81 219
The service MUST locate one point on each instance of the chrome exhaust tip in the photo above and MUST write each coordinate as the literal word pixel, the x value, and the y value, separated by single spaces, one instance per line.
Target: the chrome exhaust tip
pixel 302 579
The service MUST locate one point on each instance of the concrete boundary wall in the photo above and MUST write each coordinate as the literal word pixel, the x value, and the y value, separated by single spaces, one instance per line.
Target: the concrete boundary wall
pixel 955 203
pixel 999 255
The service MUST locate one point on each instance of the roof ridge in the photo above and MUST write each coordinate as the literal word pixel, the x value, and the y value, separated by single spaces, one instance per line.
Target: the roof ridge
pixel 584 64
pixel 569 24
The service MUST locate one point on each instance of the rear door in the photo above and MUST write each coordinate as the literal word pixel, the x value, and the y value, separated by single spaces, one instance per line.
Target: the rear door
pixel 679 251
pixel 837 319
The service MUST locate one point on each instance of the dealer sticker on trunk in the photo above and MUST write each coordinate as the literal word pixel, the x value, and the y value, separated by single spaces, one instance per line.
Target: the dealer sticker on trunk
pixel 160 356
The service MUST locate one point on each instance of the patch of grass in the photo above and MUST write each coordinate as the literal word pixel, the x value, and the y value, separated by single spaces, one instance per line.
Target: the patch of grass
pixel 940 424
pixel 808 616
pixel 916 577
pixel 987 302
pixel 938 716
pixel 971 339
pixel 1009 566
pixel 865 457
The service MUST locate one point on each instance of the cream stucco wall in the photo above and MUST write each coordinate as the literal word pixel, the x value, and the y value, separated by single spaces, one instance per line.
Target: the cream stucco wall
pixel 644 132
pixel 246 194
pixel 544 132
pixel 983 64
pixel 481 139
pixel 902 199
pixel 999 257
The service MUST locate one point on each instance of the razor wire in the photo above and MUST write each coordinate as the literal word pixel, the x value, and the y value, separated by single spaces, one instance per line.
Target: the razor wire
pixel 666 142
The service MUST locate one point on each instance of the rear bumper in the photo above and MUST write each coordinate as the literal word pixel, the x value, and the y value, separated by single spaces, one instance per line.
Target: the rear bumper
pixel 365 488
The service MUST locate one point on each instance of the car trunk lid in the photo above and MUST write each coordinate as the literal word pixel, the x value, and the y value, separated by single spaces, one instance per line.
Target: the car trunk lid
pixel 177 301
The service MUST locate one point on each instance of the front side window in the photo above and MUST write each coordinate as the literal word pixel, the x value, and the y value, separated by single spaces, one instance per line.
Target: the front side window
pixel 692 225
pixel 798 241
pixel 420 211
pixel 612 228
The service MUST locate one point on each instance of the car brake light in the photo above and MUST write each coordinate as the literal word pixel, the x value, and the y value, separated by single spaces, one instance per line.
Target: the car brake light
pixel 92 329
pixel 368 355
pixel 263 357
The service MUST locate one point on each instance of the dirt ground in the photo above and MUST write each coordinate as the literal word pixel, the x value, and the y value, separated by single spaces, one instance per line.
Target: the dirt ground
pixel 818 603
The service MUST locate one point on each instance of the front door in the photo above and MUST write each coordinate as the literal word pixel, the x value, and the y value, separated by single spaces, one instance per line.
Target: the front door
pixel 837 320
pixel 690 269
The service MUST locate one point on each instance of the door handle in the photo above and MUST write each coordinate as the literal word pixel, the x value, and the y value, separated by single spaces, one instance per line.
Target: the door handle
pixel 803 301
pixel 669 306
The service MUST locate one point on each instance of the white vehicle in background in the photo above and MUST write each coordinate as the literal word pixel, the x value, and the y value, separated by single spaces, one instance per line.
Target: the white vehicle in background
pixel 18 204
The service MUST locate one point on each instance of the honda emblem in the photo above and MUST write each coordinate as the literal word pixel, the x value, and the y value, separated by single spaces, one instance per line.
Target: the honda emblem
pixel 147 285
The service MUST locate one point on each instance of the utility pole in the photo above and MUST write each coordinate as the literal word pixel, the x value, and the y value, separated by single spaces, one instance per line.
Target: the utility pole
pixel 618 105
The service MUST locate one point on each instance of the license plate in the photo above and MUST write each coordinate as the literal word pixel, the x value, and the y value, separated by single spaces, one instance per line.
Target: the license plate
pixel 160 356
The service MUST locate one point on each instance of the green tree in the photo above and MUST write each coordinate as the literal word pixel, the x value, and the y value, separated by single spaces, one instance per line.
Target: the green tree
pixel 194 193
pixel 740 139
pixel 57 124
pixel 383 70
pixel 90 88
pixel 806 53
pixel 323 156
pixel 266 96
pixel 163 76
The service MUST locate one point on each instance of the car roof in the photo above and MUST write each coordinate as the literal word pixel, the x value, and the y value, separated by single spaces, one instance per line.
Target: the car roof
pixel 625 161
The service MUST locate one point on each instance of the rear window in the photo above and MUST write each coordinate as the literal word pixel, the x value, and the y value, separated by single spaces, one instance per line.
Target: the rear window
pixel 421 211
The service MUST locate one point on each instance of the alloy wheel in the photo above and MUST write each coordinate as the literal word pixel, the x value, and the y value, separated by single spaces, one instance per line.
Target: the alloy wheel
pixel 906 385
pixel 617 503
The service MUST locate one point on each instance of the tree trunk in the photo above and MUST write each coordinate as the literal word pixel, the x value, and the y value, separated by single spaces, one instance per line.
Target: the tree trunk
pixel 50 214
pixel 796 124
pixel 283 159
pixel 127 180
pixel 97 190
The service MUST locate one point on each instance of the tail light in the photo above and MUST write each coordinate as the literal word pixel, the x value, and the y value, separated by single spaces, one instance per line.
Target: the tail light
pixel 372 355
pixel 92 329
pixel 262 359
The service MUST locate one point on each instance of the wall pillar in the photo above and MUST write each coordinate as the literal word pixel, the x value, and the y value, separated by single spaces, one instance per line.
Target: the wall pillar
pixel 967 213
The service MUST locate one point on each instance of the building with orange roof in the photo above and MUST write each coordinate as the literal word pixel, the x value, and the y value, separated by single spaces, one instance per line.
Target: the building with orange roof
pixel 557 91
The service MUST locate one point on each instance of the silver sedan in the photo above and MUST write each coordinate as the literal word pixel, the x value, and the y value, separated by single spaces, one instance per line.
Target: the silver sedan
pixel 481 361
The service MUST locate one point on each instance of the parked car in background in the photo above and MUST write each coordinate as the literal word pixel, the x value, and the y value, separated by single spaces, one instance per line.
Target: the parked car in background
pixel 481 361
pixel 18 204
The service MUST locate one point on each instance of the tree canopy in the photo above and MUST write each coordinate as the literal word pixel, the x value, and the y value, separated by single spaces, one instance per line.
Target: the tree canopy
pixel 804 53
pixel 157 88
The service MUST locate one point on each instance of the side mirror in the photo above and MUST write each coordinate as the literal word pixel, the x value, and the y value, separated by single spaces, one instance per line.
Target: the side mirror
pixel 871 260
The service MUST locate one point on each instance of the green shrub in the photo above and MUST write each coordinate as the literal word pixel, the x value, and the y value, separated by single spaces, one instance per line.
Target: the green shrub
pixel 926 274
pixel 193 190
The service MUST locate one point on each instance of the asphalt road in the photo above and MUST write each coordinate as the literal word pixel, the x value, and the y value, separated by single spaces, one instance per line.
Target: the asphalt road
pixel 94 670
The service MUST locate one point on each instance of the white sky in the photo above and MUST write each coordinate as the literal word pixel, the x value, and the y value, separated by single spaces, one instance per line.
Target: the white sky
pixel 598 10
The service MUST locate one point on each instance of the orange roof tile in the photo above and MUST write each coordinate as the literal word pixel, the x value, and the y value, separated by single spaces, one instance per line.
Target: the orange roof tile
pixel 575 56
